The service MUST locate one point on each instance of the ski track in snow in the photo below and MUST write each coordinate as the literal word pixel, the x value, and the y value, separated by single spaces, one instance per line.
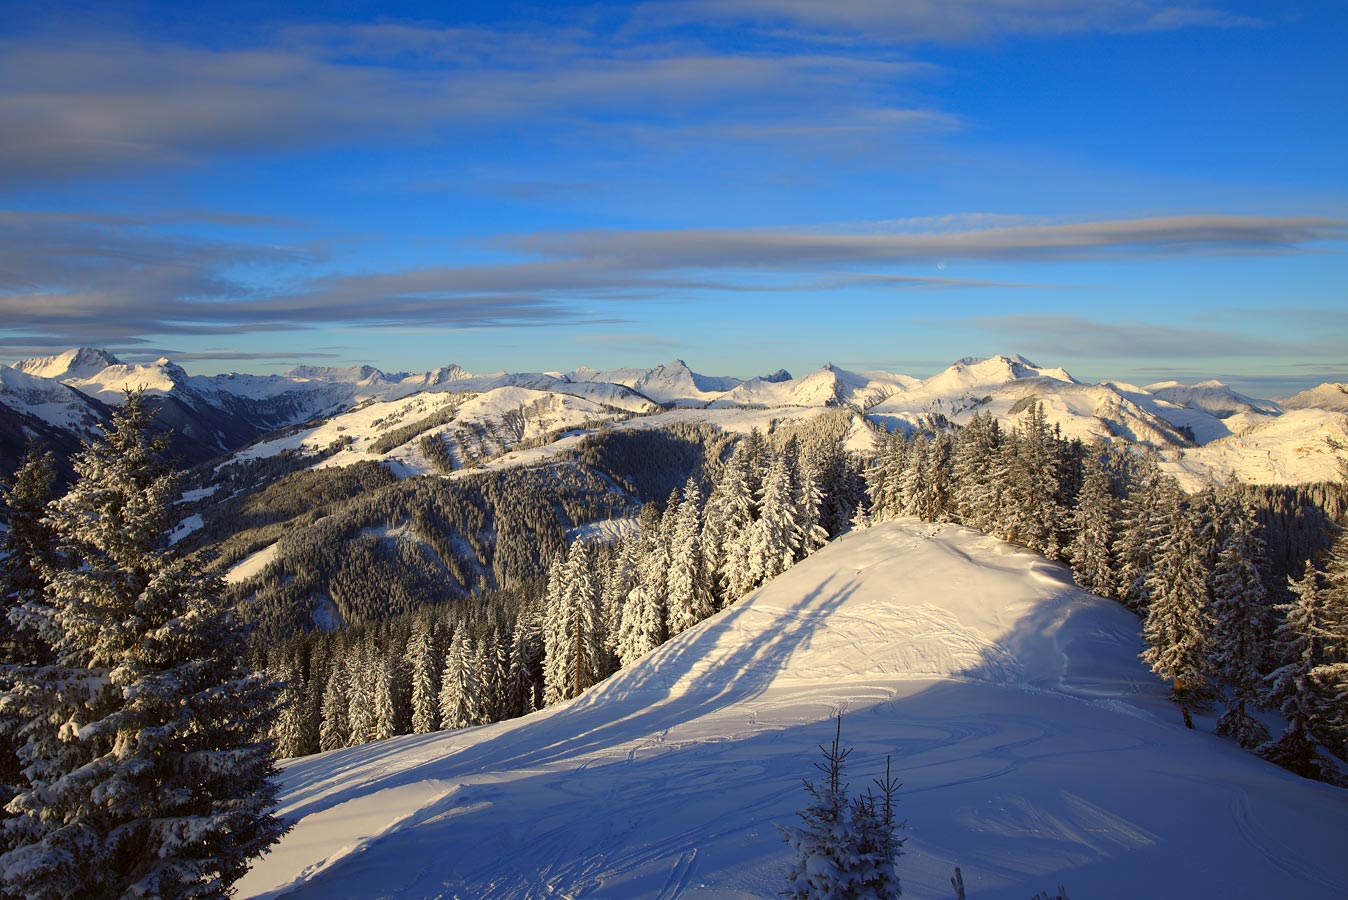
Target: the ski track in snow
pixel 1033 749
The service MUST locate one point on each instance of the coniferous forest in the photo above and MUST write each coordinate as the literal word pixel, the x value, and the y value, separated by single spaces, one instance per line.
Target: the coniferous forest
pixel 1239 596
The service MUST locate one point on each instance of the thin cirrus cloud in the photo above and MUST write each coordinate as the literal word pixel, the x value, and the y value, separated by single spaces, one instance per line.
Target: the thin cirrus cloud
pixel 950 21
pixel 101 278
pixel 718 248
pixel 1082 338
pixel 86 105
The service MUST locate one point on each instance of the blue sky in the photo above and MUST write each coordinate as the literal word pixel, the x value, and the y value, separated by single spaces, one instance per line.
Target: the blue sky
pixel 1132 189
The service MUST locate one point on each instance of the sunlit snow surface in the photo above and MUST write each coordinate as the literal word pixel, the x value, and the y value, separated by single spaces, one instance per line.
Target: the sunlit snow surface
pixel 1032 746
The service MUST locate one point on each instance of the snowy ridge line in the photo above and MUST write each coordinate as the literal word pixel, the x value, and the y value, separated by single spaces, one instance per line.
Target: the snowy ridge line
pixel 225 412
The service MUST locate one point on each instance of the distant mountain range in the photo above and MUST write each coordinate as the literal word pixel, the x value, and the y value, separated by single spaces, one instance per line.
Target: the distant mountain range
pixel 1201 429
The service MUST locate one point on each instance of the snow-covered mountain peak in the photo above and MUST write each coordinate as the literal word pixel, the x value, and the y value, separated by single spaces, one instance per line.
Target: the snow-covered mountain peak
pixel 77 362
pixel 350 374
pixel 111 383
pixel 826 386
pixel 1330 396
pixel 973 373
pixel 170 369
pixel 441 375
pixel 1211 396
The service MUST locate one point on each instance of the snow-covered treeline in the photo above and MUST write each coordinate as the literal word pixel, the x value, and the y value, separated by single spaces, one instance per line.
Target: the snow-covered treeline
pixel 600 607
pixel 1193 567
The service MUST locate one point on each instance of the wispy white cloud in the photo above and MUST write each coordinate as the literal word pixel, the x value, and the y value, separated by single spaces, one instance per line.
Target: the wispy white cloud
pixel 719 248
pixel 87 105
pixel 1079 337
pixel 116 279
pixel 947 21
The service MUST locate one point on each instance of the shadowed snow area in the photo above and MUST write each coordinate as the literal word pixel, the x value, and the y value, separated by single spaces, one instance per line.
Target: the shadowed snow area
pixel 1032 745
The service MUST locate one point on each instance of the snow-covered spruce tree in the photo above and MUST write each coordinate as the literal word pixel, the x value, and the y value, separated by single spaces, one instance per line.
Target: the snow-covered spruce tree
pixel 146 779
pixel 287 731
pixel 843 485
pixel 910 482
pixel 1033 510
pixel 387 722
pixel 730 515
pixel 619 579
pixel 810 505
pixel 587 635
pixel 1094 522
pixel 1292 688
pixel 775 536
pixel 886 479
pixel 688 592
pixel 524 672
pixel 334 730
pixel 423 665
pixel 1144 511
pixel 458 684
pixel 1332 676
pixel 978 492
pixel 492 657
pixel 360 683
pixel 25 550
pixel 573 630
pixel 644 622
pixel 845 848
pixel 877 845
pixel 935 491
pixel 753 451
pixel 1239 630
pixel 1177 622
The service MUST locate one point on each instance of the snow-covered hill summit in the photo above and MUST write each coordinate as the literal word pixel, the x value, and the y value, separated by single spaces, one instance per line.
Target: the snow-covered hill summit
pixel 1329 396
pixel 1032 745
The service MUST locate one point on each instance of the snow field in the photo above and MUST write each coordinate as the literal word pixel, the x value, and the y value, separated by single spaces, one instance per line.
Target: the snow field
pixel 1034 749
pixel 252 564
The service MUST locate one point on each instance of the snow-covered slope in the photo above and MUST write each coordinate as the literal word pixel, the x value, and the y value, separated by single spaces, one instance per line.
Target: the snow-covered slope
pixel 48 400
pixel 474 425
pixel 1296 447
pixel 1210 409
pixel 1214 397
pixel 1033 749
pixel 1330 396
